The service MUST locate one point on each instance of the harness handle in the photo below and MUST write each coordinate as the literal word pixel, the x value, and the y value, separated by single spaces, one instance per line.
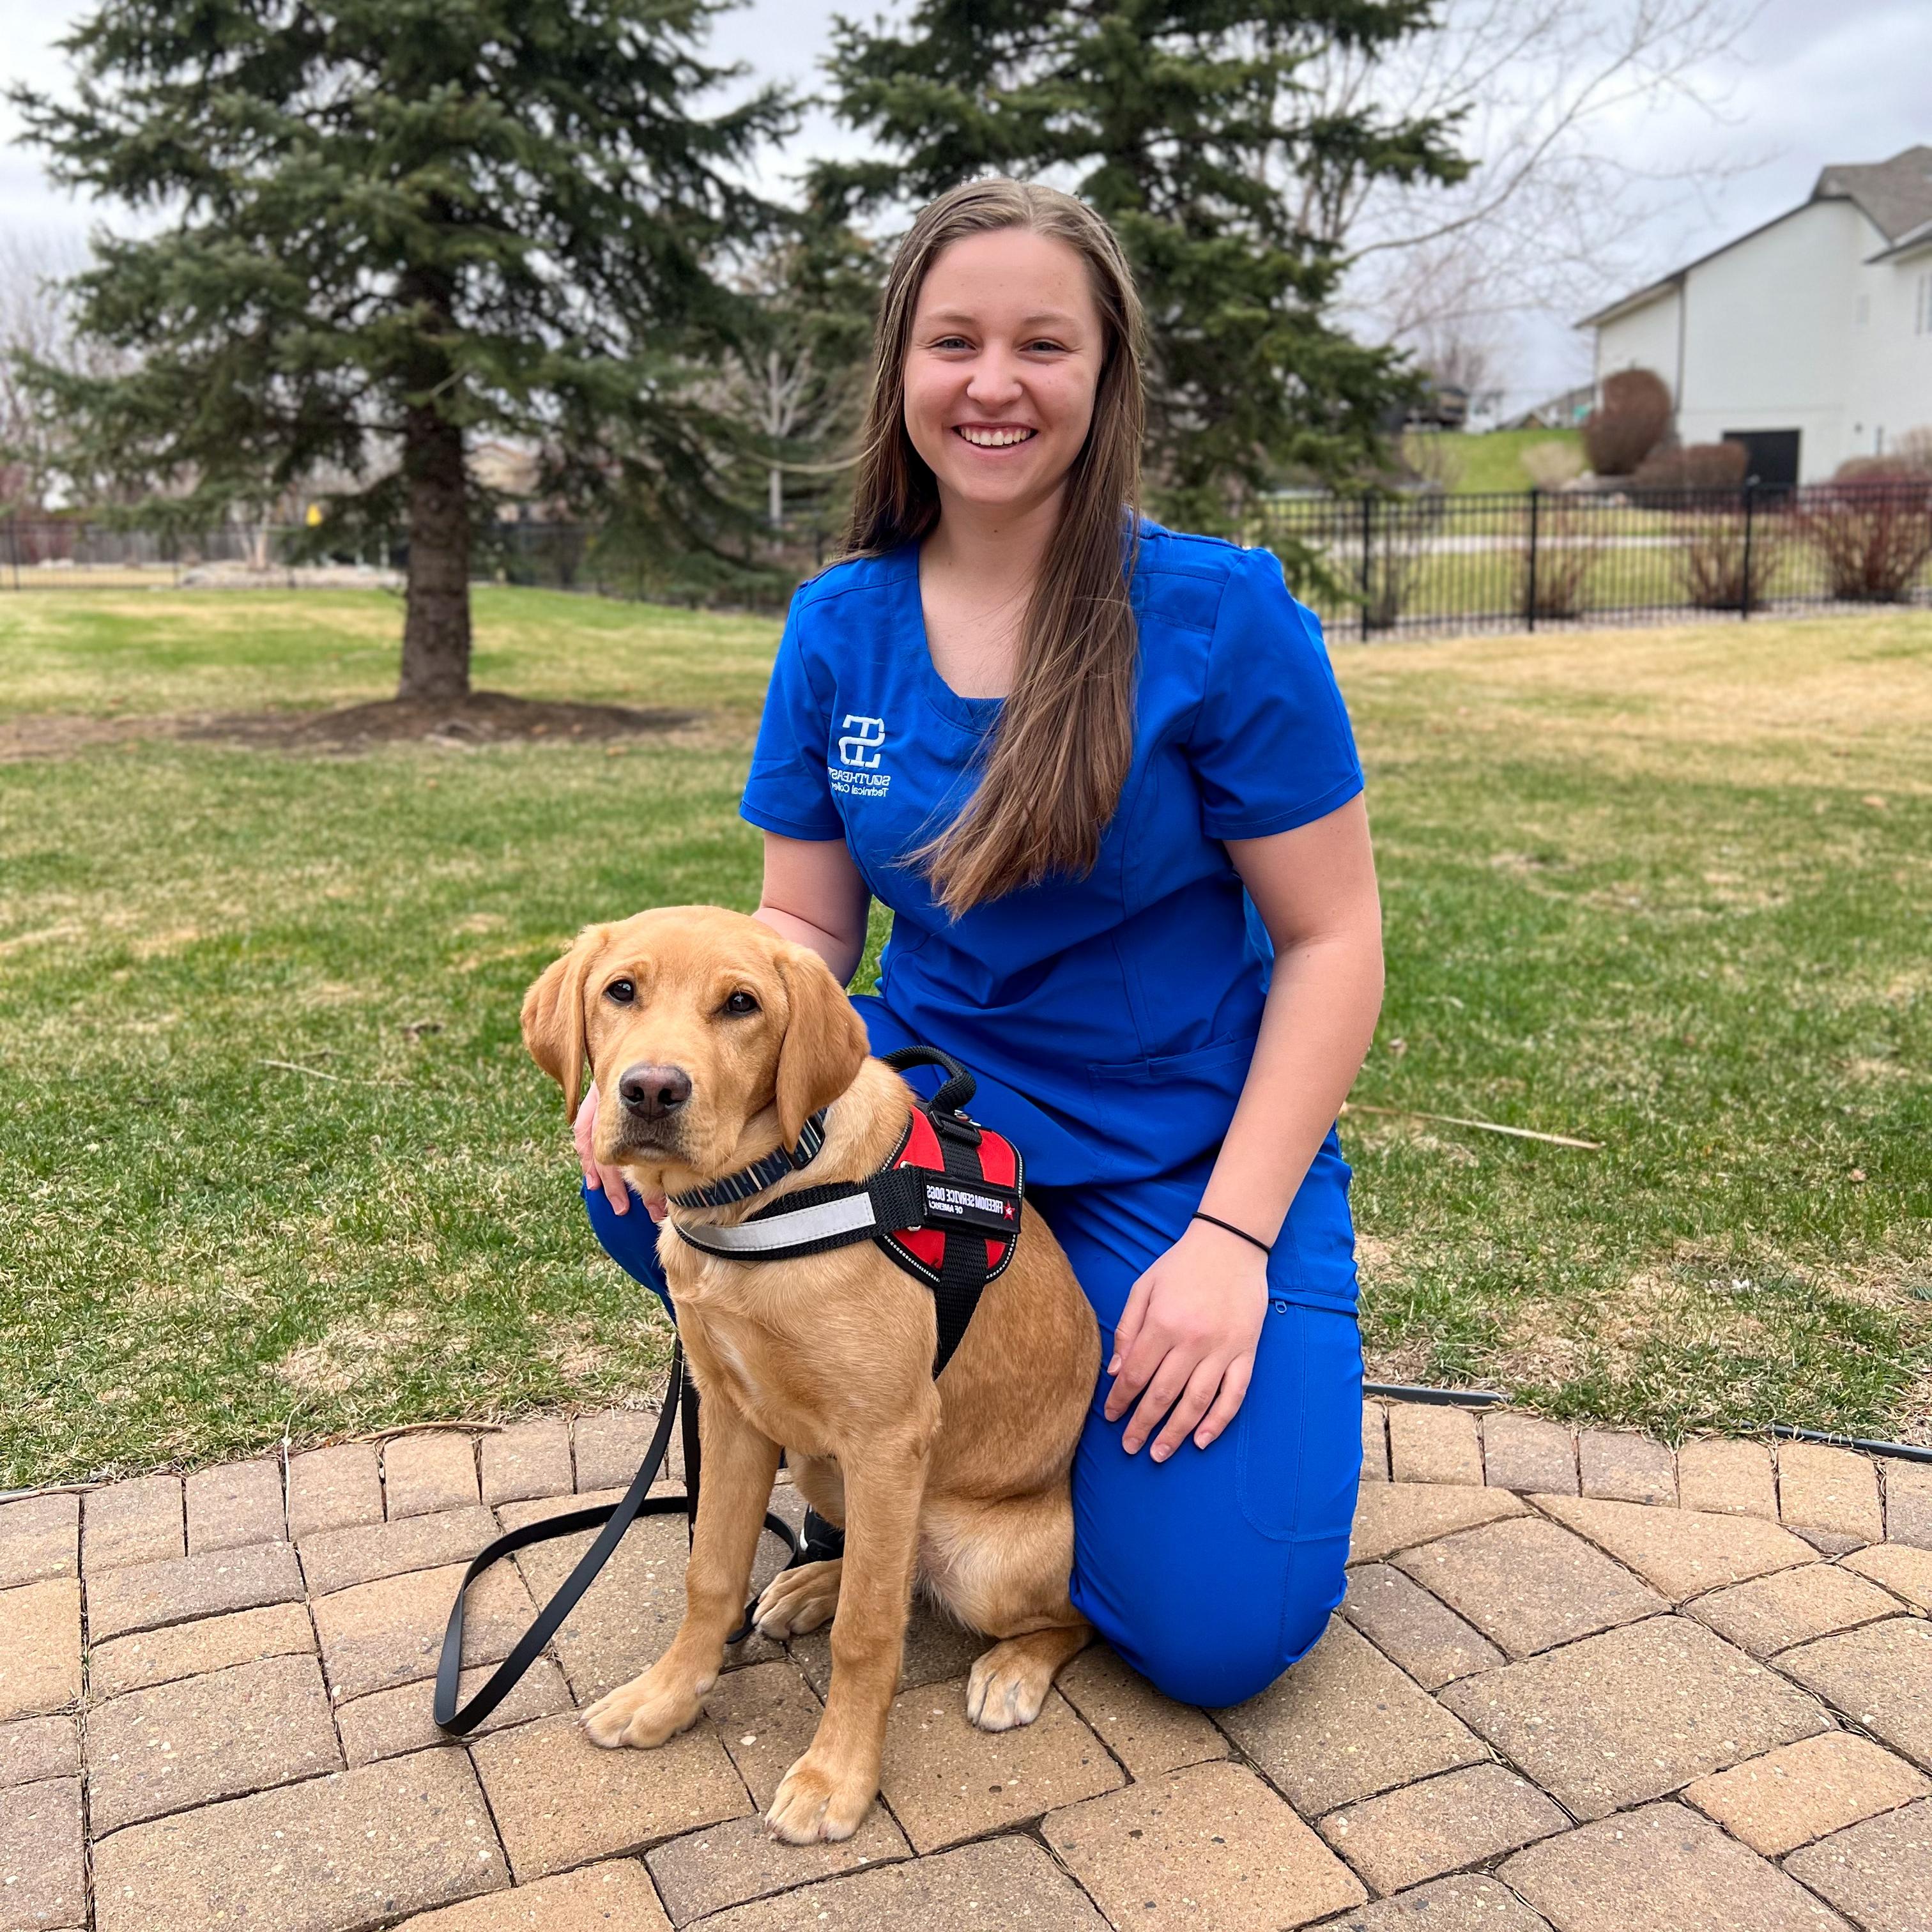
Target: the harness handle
pixel 950 1101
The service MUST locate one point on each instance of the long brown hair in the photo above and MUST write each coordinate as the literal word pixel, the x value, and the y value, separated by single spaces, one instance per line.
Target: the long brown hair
pixel 1060 751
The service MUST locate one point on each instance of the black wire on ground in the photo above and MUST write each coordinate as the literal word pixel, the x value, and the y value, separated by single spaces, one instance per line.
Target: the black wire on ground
pixel 1906 1452
pixel 1443 1397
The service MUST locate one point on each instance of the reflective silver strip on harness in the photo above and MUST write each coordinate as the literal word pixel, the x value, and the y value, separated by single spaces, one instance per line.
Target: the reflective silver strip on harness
pixel 852 1216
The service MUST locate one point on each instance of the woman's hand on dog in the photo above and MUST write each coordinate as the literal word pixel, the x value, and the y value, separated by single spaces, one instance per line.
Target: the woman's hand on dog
pixel 610 1181
pixel 1187 1338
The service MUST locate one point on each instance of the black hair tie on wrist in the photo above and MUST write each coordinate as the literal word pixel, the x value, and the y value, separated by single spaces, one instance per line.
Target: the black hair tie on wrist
pixel 1198 1216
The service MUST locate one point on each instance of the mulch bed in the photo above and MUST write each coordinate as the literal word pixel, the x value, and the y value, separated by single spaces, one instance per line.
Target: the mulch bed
pixel 482 718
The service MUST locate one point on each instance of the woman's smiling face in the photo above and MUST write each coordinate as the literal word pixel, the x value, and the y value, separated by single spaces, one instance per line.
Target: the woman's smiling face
pixel 1002 367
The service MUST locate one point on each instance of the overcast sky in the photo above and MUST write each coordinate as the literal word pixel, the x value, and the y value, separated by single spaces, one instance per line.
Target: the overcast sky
pixel 1810 81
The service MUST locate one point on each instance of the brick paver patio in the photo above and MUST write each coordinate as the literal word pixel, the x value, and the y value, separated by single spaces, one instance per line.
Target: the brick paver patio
pixel 1578 1683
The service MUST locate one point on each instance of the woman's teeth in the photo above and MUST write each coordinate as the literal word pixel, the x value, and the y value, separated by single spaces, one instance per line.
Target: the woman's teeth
pixel 994 439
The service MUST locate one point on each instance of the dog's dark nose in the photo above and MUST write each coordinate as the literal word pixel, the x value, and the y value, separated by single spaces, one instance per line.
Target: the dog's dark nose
pixel 652 1092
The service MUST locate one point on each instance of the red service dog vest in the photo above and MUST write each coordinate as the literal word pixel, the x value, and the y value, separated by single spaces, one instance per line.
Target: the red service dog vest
pixel 952 1199
pixel 945 1207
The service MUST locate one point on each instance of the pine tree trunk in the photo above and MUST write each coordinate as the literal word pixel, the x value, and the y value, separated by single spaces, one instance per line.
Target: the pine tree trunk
pixel 436 630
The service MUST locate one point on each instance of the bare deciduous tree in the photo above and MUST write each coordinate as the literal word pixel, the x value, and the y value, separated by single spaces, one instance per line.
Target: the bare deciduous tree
pixel 34 323
pixel 799 380
pixel 1534 89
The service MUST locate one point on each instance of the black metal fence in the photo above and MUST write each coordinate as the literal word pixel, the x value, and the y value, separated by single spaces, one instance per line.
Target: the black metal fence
pixel 1372 566
pixel 74 553
pixel 78 552
pixel 1376 566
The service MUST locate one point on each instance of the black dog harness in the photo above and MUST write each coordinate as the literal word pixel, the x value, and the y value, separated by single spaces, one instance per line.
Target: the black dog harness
pixel 945 1207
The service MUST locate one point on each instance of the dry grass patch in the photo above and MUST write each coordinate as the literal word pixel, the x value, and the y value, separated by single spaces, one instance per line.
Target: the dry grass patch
pixel 1845 703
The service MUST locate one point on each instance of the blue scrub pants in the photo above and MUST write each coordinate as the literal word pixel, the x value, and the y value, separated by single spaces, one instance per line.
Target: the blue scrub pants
pixel 1212 1572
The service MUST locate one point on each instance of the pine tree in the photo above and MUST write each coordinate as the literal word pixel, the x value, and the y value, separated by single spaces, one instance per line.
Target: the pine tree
pixel 1183 121
pixel 387 227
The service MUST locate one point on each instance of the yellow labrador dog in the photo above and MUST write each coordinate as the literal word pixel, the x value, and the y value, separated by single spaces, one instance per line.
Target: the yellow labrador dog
pixel 713 1040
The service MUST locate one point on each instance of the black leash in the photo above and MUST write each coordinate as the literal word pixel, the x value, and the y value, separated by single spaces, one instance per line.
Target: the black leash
pixel 613 1519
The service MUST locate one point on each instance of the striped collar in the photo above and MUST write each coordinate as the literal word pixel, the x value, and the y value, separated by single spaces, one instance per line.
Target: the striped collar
pixel 761 1173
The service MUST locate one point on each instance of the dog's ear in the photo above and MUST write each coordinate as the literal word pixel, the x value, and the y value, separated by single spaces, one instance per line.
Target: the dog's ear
pixel 825 1044
pixel 553 1016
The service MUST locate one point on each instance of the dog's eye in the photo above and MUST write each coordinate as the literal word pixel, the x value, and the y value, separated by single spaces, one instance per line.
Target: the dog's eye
pixel 740 1002
pixel 621 992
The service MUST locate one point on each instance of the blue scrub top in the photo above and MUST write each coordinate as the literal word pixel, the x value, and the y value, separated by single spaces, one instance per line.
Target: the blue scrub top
pixel 1110 1020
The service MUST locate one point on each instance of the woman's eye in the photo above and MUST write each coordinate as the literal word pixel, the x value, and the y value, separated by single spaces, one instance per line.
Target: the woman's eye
pixel 741 1002
pixel 621 992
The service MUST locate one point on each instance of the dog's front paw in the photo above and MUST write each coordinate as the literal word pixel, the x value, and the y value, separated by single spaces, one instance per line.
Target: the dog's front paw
pixel 798 1599
pixel 646 1711
pixel 818 1799
pixel 1008 1686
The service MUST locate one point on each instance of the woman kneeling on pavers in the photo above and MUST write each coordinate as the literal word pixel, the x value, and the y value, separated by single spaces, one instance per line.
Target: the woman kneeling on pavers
pixel 1101 774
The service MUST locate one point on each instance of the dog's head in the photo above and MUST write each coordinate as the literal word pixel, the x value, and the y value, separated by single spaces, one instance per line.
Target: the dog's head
pixel 695 1021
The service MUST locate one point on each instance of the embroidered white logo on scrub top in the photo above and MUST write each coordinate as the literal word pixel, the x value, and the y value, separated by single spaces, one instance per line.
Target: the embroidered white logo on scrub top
pixel 870 735
pixel 858 749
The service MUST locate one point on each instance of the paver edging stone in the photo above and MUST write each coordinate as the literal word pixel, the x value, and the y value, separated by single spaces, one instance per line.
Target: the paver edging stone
pixel 39 1661
pixel 1526 1453
pixel 33 1749
pixel 43 1856
pixel 40 1539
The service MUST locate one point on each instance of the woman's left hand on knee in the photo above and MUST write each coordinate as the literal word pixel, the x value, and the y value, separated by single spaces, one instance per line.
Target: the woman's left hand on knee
pixel 1185 1346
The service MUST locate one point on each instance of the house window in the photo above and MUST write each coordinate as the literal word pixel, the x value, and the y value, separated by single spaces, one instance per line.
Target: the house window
pixel 1922 307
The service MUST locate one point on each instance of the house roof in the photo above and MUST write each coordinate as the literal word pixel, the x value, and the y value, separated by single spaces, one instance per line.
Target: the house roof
pixel 1895 196
pixel 1909 243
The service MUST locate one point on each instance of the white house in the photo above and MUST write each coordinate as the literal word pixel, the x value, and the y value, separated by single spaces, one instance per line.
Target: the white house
pixel 1810 338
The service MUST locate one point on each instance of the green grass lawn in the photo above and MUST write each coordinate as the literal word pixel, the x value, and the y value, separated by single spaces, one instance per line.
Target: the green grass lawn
pixel 1493 461
pixel 1669 889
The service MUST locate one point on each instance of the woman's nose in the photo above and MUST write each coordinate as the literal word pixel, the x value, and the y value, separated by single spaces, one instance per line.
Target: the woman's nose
pixel 995 379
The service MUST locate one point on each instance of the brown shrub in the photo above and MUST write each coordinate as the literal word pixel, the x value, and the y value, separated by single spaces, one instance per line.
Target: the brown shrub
pixel 1569 541
pixel 1628 424
pixel 1714 563
pixel 1898 467
pixel 1698 466
pixel 1874 532
pixel 1914 449
pixel 1397 556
